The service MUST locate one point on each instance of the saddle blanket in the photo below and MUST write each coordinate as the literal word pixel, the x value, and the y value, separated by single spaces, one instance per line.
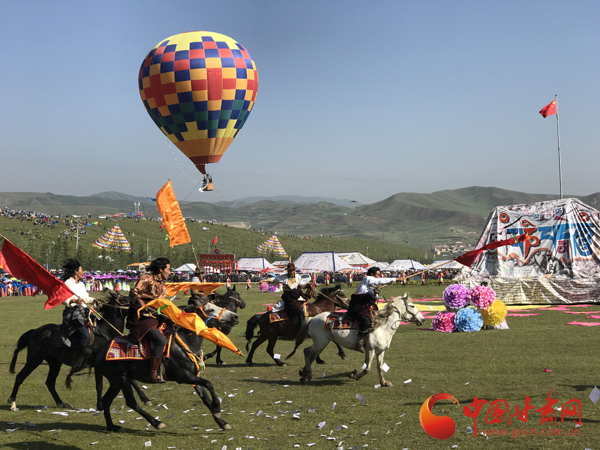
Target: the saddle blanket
pixel 280 316
pixel 121 348
pixel 337 321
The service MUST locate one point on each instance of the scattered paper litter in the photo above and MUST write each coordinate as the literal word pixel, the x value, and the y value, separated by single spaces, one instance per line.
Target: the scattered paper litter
pixel 321 425
pixel 276 356
pixel 408 381
pixel 148 443
pixel 165 406
pixel 467 383
pixel 385 367
pixel 595 395
pixel 94 443
pixel 323 375
pixel 469 430
pixel 365 433
pixel 333 407
pixel 364 366
pixel 311 410
pixel 251 391
pixel 377 386
pixel 310 445
pixel 455 446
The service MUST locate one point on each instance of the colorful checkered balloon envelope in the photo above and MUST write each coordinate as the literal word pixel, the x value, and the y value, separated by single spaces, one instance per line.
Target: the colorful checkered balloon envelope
pixel 199 88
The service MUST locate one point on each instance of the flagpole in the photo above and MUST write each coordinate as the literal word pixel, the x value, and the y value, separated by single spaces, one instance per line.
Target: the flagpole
pixel 558 138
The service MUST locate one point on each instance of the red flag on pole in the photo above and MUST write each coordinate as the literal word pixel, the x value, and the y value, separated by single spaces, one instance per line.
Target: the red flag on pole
pixel 19 264
pixel 549 109
pixel 214 241
pixel 469 258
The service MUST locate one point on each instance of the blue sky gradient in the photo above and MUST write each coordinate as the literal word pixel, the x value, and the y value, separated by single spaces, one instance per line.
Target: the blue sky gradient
pixel 357 100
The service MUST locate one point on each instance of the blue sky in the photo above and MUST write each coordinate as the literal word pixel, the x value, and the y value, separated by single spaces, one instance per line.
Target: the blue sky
pixel 357 100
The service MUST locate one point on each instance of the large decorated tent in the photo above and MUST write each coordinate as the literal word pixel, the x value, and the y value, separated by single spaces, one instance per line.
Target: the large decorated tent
pixel 188 267
pixel 440 264
pixel 321 262
pixel 273 246
pixel 113 239
pixel 356 259
pixel 559 263
pixel 254 264
pixel 404 264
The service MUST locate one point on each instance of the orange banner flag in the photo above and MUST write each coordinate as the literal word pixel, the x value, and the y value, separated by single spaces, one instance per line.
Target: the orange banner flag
pixel 207 288
pixel 168 207
pixel 192 322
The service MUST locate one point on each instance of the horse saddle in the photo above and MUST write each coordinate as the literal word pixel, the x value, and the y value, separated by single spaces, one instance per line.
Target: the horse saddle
pixel 280 316
pixel 129 348
pixel 339 321
pixel 61 338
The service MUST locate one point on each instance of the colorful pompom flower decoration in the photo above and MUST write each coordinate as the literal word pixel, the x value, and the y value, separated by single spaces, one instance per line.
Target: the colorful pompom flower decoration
pixel 494 314
pixel 444 322
pixel 468 319
pixel 481 296
pixel 263 287
pixel 455 296
pixel 272 288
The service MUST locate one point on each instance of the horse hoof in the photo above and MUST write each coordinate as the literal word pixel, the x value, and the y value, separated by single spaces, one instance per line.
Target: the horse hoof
pixel 160 426
pixel 227 427
pixel 344 358
pixel 302 380
pixel 221 363
pixel 148 403
pixel 249 364
pixel 64 405
pixel 13 406
pixel 115 429
pixel 352 374
pixel 387 384
pixel 321 362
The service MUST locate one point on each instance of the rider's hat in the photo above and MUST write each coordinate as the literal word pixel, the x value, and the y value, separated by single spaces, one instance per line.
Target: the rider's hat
pixel 290 266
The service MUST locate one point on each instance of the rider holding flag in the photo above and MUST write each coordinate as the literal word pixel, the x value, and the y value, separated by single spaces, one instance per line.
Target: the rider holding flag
pixel 364 301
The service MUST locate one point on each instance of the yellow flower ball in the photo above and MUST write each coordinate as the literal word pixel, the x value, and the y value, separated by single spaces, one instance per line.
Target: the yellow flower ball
pixel 494 314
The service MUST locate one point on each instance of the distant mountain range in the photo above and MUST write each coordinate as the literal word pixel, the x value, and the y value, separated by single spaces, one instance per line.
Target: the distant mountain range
pixel 411 219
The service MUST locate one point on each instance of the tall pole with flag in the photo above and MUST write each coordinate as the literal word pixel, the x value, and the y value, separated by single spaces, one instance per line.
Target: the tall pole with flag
pixel 548 110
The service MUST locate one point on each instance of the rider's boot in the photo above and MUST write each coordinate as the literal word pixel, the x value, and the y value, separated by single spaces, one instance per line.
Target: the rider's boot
pixel 359 345
pixel 154 366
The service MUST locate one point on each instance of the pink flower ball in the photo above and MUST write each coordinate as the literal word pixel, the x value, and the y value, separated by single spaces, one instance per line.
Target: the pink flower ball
pixel 481 296
pixel 444 322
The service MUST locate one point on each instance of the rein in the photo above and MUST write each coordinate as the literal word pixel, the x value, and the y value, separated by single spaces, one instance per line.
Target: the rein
pixel 212 315
pixel 96 313
pixel 196 359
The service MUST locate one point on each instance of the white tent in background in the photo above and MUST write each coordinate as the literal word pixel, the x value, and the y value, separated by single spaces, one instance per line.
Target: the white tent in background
pixel 321 262
pixel 450 264
pixel 356 259
pixel 254 264
pixel 281 264
pixel 404 264
pixel 381 264
pixel 186 268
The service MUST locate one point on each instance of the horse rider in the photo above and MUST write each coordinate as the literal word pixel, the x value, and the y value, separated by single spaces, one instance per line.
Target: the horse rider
pixel 293 297
pixel 149 287
pixel 364 301
pixel 76 315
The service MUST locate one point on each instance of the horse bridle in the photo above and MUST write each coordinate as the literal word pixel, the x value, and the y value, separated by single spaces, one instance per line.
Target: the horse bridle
pixel 405 317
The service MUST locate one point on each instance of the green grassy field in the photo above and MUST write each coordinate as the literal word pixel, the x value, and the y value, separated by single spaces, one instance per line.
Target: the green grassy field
pixel 492 364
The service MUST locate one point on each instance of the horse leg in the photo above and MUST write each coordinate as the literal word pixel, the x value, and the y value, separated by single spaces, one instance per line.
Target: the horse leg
pixel 211 354
pixel 309 357
pixel 369 354
pixel 256 344
pixel 340 352
pixel 380 369
pixel 31 364
pixel 270 351
pixel 130 401
pixel 141 394
pixel 219 360
pixel 107 399
pixel 210 398
pixel 98 377
pixel 53 371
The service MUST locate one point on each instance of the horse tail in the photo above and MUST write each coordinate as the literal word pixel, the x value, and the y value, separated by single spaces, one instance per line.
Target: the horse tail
pixel 301 337
pixel 250 326
pixel 21 344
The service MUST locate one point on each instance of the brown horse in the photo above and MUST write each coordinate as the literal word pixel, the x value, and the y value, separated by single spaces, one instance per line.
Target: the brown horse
pixel 328 299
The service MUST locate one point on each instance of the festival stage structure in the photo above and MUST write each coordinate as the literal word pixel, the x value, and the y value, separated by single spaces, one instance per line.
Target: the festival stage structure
pixel 558 263
pixel 113 240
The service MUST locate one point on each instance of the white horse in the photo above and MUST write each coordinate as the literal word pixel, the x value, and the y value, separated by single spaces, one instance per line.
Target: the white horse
pixel 386 322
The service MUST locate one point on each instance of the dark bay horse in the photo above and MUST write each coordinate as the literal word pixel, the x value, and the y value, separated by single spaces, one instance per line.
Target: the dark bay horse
pixel 328 299
pixel 231 301
pixel 183 366
pixel 44 344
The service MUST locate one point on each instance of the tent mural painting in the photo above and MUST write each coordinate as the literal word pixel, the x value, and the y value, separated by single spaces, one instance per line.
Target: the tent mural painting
pixel 559 263
pixel 272 245
pixel 321 262
pixel 113 239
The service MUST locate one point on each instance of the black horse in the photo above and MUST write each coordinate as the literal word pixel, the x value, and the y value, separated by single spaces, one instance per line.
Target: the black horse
pixel 183 366
pixel 231 301
pixel 44 344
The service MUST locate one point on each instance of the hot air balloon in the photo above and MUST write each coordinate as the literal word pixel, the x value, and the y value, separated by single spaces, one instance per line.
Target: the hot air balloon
pixel 199 88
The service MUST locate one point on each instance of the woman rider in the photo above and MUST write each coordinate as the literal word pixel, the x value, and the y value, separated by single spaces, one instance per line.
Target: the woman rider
pixel 76 312
pixel 149 287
